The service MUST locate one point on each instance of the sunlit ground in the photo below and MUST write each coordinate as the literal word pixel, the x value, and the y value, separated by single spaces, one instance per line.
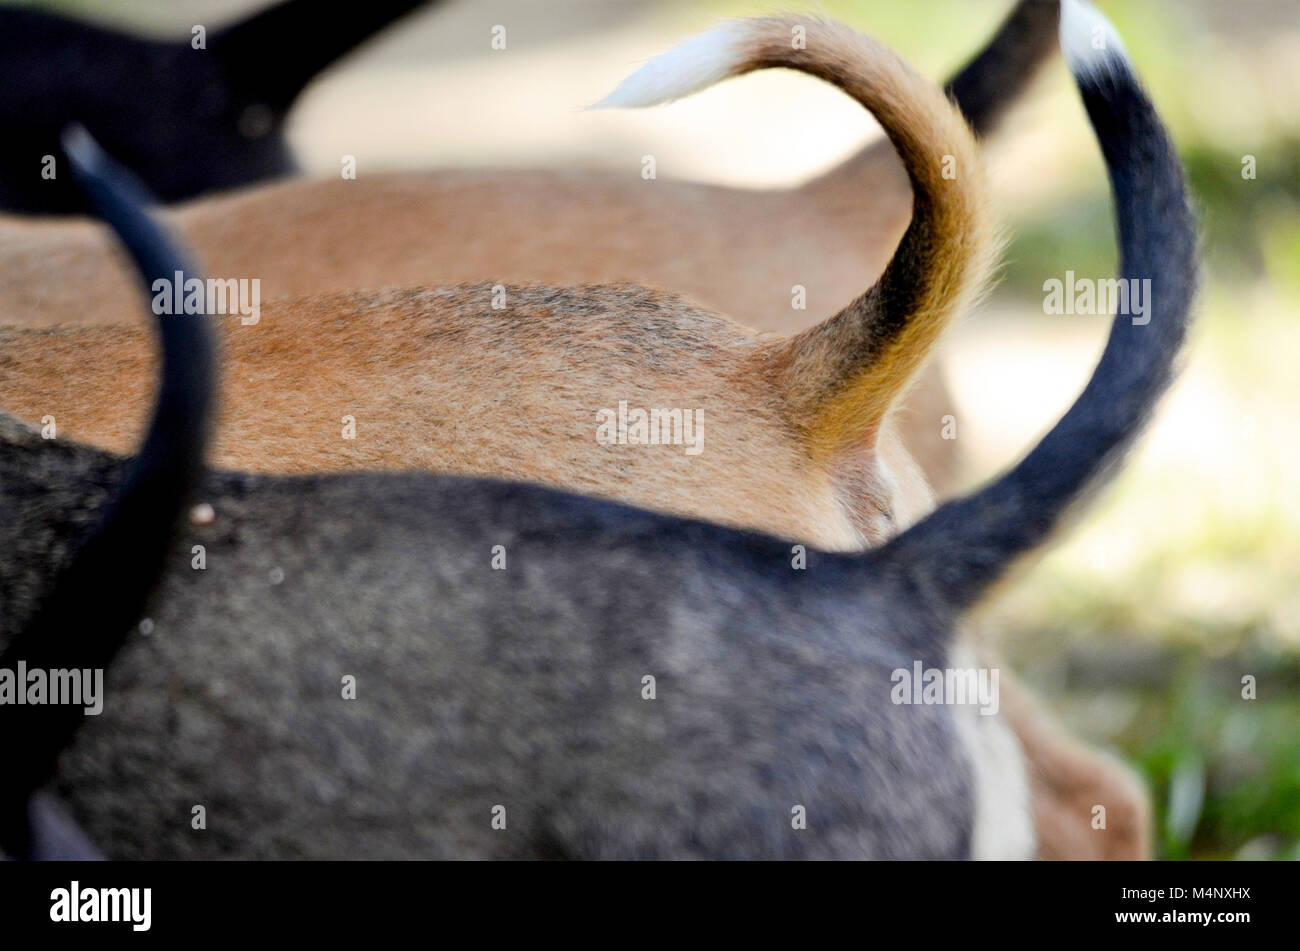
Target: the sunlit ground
pixel 1185 577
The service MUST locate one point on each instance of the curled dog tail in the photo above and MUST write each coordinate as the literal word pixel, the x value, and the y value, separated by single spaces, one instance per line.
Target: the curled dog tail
pixel 960 550
pixel 97 598
pixel 273 54
pixel 842 376
pixel 986 86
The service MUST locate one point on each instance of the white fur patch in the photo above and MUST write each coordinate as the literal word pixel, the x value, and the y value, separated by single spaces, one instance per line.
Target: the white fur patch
pixel 1004 823
pixel 1090 42
pixel 692 65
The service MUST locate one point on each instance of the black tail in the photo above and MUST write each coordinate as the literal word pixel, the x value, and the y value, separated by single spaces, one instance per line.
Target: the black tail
pixel 989 83
pixel 97 599
pixel 966 545
pixel 272 55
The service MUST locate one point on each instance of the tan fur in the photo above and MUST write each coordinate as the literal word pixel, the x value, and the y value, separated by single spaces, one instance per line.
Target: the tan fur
pixel 806 415
pixel 798 440
pixel 847 373
pixel 735 251
pixel 438 379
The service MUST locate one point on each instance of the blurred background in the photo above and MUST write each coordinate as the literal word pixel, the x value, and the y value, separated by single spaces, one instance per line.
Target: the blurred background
pixel 1139 628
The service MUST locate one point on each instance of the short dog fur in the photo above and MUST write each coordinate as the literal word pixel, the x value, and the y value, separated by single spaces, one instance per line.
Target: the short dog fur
pixel 354 354
pixel 734 251
pixel 522 688
pixel 799 439
pixel 86 613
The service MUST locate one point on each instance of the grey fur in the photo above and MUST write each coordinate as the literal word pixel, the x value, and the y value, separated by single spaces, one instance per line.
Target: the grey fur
pixel 522 688
pixel 478 687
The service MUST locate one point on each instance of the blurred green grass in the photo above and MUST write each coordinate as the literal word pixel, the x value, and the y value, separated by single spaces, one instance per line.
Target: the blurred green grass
pixel 1226 771
pixel 1217 577
pixel 1211 573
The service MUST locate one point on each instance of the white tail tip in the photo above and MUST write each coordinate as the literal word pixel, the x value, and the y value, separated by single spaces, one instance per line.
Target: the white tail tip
pixel 1089 41
pixel 688 67
pixel 81 147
